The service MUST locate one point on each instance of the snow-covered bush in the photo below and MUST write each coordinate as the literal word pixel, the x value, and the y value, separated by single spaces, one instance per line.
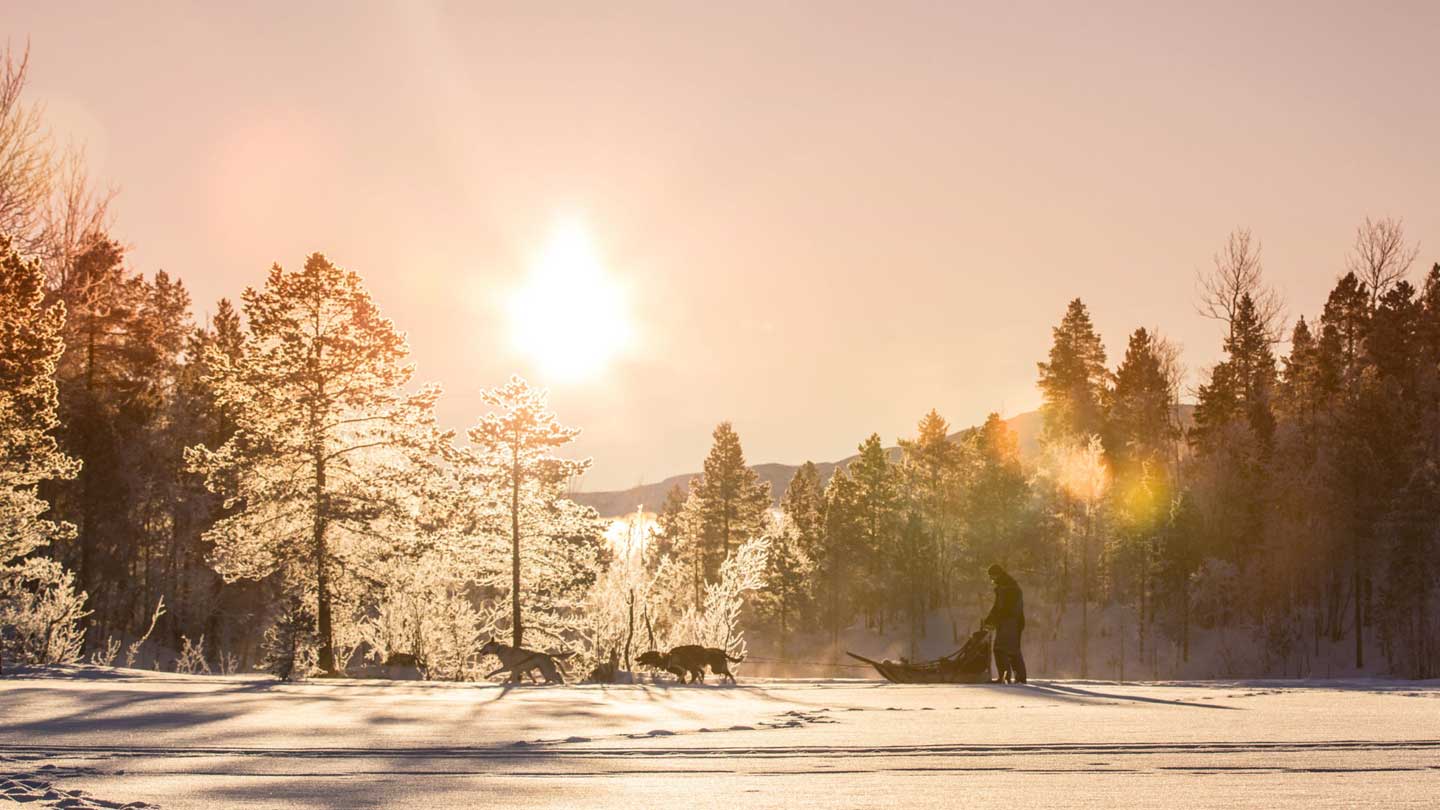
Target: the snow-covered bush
pixel 718 624
pixel 290 646
pixel 106 654
pixel 40 613
pixel 228 662
pixel 192 657
pixel 620 610
pixel 132 652
pixel 427 615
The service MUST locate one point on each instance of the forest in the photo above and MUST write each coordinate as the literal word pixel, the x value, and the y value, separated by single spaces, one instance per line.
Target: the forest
pixel 269 488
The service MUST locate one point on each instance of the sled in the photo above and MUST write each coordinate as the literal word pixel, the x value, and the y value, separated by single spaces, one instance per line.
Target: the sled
pixel 969 664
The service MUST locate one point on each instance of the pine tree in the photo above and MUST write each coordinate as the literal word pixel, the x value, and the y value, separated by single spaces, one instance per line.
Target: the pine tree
pixel 289 646
pixel 30 345
pixel 1140 427
pixel 40 609
pixel 933 468
pixel 1073 382
pixel 731 501
pixel 512 459
pixel 326 436
pixel 996 504
pixel 98 382
pixel 804 506
pixel 877 502
pixel 839 557
pixel 794 549
pixel 787 572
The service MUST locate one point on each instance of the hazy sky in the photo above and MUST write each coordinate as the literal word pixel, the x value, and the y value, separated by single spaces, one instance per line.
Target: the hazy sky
pixel 827 218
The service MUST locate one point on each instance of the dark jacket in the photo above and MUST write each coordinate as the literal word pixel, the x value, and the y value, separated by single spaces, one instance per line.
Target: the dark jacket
pixel 1007 616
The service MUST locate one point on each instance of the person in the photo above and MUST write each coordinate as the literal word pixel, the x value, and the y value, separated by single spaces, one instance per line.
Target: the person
pixel 1007 619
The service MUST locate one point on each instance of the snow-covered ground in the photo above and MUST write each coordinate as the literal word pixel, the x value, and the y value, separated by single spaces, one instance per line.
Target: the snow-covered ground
pixel 92 738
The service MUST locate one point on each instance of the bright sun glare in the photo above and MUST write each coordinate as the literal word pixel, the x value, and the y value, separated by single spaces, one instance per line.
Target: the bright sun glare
pixel 570 317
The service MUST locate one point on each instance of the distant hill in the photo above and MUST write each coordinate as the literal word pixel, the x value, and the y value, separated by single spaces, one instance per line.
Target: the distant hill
pixel 650 496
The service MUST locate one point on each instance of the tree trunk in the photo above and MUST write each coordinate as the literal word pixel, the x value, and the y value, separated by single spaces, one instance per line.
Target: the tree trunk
pixel 1359 613
pixel 516 631
pixel 1085 598
pixel 322 581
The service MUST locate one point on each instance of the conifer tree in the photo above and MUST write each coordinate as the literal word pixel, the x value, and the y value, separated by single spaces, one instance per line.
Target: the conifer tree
pixel 30 345
pixel 97 380
pixel 730 500
pixel 838 559
pixel 1139 420
pixel 877 502
pixel 797 539
pixel 1074 379
pixel 804 506
pixel 326 434
pixel 933 471
pixel 995 503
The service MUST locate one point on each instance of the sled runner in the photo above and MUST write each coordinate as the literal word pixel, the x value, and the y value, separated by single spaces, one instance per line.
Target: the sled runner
pixel 969 664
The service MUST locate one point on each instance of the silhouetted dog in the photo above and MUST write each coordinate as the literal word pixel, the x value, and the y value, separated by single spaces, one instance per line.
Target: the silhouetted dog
pixel 521 661
pixel 691 660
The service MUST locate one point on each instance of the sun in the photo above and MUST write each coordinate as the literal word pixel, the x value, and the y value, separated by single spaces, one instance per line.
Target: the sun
pixel 571 318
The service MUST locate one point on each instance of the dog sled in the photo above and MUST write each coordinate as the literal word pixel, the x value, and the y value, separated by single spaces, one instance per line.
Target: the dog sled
pixel 969 664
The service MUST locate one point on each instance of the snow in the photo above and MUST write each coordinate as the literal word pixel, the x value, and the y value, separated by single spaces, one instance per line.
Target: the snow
pixel 86 737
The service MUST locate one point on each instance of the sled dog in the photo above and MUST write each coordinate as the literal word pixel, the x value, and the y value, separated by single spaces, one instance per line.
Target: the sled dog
pixel 520 661
pixel 691 660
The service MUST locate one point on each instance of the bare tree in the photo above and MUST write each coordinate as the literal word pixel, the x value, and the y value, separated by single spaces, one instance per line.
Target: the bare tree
pixel 48 203
pixel 1236 274
pixel 75 215
pixel 26 156
pixel 1380 257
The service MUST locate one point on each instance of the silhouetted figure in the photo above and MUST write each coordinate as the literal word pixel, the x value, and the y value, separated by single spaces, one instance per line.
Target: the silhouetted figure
pixel 1007 618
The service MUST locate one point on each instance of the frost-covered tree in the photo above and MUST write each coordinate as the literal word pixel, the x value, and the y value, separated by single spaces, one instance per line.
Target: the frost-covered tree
pixel 40 608
pixel 519 482
pixel 30 346
pixel 328 437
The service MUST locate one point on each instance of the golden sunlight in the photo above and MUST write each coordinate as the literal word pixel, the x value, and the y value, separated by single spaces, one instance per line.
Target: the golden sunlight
pixel 571 317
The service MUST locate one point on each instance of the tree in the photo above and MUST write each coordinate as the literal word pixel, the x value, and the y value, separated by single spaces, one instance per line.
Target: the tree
pixel 877 504
pixel 327 436
pixel 996 503
pixel 1380 258
pixel 1081 473
pixel 512 457
pixel 1241 386
pixel 836 560
pixel 797 539
pixel 31 342
pixel 1238 273
pixel 932 468
pixel 787 573
pixel 804 506
pixel 1140 427
pixel 1073 382
pixel 730 500
pixel 26 157
pixel 99 380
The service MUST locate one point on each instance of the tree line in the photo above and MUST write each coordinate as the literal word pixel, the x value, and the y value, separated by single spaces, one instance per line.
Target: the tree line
pixel 1292 510
pixel 271 484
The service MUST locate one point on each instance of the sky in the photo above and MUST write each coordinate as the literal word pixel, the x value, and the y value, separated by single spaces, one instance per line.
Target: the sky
pixel 823 219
